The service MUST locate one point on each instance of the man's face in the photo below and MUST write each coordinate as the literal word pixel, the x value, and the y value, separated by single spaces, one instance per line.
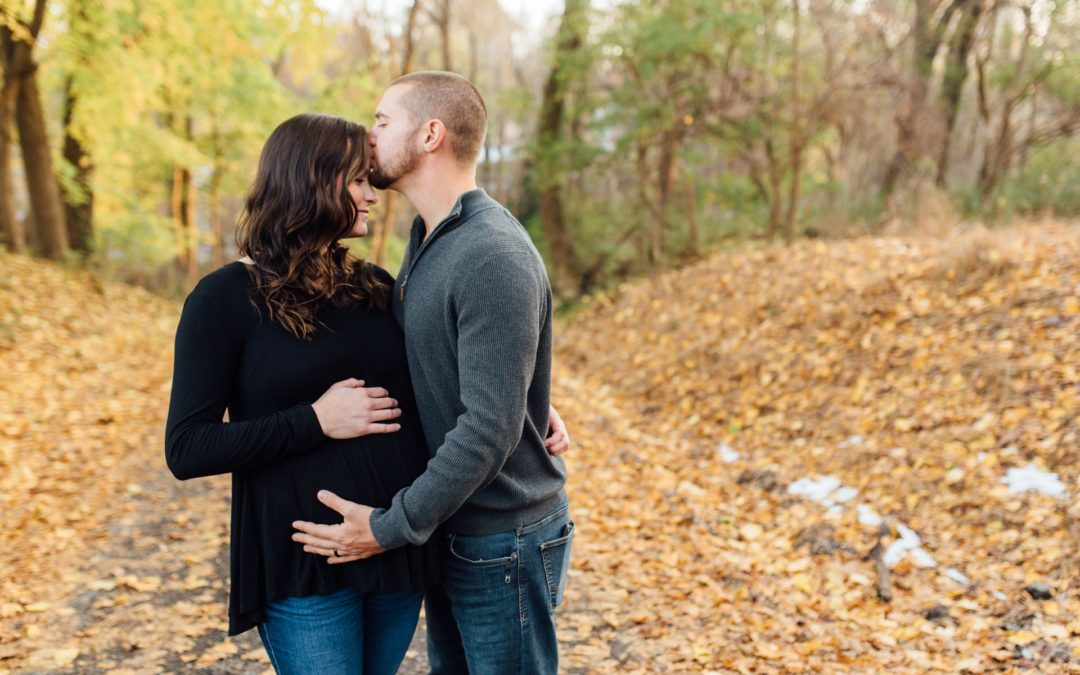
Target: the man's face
pixel 395 145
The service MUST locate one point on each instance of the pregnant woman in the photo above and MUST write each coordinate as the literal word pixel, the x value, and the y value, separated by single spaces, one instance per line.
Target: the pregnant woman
pixel 285 340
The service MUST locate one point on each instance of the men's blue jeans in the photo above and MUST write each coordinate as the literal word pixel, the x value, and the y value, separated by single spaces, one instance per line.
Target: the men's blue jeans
pixel 495 613
pixel 346 633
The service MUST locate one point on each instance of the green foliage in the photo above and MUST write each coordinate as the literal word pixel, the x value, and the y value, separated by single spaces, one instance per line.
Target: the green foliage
pixel 1049 182
pixel 155 88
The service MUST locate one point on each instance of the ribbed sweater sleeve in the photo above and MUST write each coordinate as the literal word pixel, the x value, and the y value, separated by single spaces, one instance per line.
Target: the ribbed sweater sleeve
pixel 500 304
pixel 197 441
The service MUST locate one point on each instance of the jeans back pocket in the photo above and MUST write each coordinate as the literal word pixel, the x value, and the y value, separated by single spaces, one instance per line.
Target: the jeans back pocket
pixel 556 557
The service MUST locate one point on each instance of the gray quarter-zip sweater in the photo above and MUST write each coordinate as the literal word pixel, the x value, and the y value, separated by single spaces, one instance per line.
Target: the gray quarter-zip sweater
pixel 474 301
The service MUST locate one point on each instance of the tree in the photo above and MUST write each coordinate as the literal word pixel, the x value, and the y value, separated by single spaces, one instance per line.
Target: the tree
pixel 10 227
pixel 1028 66
pixel 79 202
pixel 955 75
pixel 384 224
pixel 551 140
pixel 17 37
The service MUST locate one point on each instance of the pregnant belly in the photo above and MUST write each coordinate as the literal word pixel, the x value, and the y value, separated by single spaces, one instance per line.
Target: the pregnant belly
pixel 368 470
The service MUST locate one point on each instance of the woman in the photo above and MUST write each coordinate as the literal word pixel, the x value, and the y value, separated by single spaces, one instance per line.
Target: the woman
pixel 297 321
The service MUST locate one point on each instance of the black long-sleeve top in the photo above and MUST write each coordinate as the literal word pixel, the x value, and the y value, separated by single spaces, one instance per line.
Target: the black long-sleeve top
pixel 230 355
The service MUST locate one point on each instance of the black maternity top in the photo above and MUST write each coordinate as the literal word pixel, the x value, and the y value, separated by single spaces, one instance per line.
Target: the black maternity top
pixel 230 355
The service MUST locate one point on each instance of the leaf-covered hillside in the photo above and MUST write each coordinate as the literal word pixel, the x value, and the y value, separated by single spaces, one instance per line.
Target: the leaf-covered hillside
pixel 750 427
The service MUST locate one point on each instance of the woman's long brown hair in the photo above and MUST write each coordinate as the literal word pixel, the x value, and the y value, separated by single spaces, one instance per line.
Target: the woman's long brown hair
pixel 296 212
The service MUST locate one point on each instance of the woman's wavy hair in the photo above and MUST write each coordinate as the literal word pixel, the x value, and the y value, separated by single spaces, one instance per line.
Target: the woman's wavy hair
pixel 296 213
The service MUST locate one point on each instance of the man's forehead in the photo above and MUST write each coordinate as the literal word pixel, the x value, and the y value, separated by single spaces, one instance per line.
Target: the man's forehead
pixel 391 98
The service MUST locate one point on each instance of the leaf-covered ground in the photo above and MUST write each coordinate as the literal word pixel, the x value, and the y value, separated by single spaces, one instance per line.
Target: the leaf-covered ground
pixel 710 408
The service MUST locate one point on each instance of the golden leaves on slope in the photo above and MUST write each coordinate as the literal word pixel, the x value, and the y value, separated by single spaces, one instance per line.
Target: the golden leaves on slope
pixel 914 371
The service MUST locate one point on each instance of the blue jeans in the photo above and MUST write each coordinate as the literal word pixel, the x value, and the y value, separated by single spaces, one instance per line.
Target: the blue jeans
pixel 346 633
pixel 495 612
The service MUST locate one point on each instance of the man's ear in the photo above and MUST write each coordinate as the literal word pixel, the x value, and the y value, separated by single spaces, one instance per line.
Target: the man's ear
pixel 434 135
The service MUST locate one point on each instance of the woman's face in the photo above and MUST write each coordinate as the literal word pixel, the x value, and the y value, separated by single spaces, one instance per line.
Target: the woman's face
pixel 363 195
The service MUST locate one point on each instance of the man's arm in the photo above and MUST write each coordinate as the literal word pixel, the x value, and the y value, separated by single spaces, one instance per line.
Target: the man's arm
pixel 352 539
pixel 501 306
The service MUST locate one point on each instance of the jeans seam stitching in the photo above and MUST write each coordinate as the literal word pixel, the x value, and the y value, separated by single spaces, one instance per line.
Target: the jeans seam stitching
pixel 270 649
pixel 478 563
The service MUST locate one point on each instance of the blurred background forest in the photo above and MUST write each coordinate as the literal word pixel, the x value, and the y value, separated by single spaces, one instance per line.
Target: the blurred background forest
pixel 627 135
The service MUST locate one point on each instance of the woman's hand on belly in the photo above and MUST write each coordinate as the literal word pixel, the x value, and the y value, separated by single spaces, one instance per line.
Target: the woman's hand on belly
pixel 348 409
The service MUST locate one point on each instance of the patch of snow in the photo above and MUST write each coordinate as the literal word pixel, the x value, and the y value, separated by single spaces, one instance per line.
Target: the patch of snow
pixel 909 542
pixel 819 490
pixel 1031 477
pixel 845 494
pixel 922 558
pixel 908 534
pixel 867 516
pixel 728 453
pixel 851 440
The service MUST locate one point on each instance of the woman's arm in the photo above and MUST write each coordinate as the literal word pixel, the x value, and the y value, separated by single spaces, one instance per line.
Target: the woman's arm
pixel 199 443
pixel 558 439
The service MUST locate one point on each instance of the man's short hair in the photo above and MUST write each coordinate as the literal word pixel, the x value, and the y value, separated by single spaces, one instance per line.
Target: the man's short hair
pixel 451 98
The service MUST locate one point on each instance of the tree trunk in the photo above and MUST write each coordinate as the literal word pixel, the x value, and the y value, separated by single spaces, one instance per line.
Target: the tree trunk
pixel 10 227
pixel 79 206
pixel 214 205
pixel 670 144
pixel 17 64
pixel 45 201
pixel 914 120
pixel 796 142
pixel 1000 149
pixel 176 210
pixel 410 44
pixel 645 224
pixel 551 167
pixel 444 31
pixel 385 225
pixel 956 73
pixel 192 231
pixel 998 153
pixel 775 191
pixel 691 218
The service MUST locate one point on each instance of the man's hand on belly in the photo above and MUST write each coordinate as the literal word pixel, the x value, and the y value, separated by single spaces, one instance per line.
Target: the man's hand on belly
pixel 351 540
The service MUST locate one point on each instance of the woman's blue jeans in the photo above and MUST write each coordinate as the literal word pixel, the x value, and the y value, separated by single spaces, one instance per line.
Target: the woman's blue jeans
pixel 495 613
pixel 346 633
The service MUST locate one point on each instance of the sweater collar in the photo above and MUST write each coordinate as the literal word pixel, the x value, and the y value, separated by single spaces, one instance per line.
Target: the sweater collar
pixel 467 204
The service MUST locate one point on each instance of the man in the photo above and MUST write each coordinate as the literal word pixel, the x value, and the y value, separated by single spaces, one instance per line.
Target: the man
pixel 474 301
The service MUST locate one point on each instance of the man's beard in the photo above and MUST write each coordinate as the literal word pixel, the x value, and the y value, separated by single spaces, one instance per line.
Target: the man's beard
pixel 385 175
